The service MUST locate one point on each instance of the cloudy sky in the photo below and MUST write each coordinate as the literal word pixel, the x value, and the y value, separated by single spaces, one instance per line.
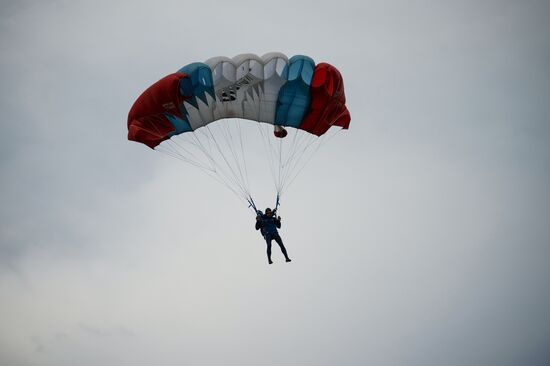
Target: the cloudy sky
pixel 420 236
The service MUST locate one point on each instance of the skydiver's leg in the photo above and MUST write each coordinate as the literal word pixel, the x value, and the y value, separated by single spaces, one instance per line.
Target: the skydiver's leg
pixel 268 242
pixel 283 249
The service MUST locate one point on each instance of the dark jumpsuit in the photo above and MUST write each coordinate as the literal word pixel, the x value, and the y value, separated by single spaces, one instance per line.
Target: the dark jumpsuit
pixel 268 227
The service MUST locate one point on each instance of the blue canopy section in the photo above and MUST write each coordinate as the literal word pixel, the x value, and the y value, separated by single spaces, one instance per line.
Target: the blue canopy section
pixel 197 85
pixel 294 96
pixel 179 124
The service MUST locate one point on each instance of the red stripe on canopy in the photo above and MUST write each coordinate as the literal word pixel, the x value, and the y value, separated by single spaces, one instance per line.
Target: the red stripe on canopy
pixel 147 122
pixel 328 101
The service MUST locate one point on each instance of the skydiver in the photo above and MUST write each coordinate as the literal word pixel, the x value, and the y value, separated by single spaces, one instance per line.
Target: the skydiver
pixel 267 224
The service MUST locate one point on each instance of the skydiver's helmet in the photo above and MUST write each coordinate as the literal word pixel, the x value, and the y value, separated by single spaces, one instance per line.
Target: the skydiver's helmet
pixel 268 211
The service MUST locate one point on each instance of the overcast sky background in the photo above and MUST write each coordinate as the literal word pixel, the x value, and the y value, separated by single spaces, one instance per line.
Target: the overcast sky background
pixel 419 237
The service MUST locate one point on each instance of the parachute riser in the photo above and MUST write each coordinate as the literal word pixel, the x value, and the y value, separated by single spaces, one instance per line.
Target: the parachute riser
pixel 252 204
pixel 277 204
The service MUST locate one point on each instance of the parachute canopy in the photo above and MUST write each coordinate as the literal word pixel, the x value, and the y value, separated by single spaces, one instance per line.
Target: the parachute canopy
pixel 271 89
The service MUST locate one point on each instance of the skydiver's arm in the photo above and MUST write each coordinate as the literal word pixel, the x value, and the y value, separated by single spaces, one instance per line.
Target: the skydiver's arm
pixel 278 222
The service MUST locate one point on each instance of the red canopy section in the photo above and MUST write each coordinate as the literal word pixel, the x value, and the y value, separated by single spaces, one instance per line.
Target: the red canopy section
pixel 147 121
pixel 328 101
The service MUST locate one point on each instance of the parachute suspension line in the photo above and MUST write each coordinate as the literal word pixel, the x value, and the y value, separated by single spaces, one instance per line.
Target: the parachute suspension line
pixel 242 183
pixel 322 141
pixel 292 146
pixel 301 149
pixel 174 149
pixel 216 177
pixel 216 168
pixel 208 154
pixel 264 129
pixel 196 144
pixel 271 156
pixel 228 137
pixel 206 138
pixel 240 157
pixel 268 153
pixel 174 141
pixel 178 156
pixel 236 179
pixel 279 185
pixel 243 153
pixel 300 163
pixel 274 156
pixel 173 152
pixel 211 173
pixel 277 153
pixel 286 157
pixel 289 154
pixel 291 151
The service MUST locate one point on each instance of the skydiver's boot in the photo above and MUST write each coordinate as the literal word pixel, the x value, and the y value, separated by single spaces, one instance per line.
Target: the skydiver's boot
pixel 270 261
pixel 283 249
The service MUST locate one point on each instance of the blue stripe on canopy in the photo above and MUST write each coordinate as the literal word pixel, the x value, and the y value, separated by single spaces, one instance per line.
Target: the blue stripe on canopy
pixel 201 82
pixel 294 96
